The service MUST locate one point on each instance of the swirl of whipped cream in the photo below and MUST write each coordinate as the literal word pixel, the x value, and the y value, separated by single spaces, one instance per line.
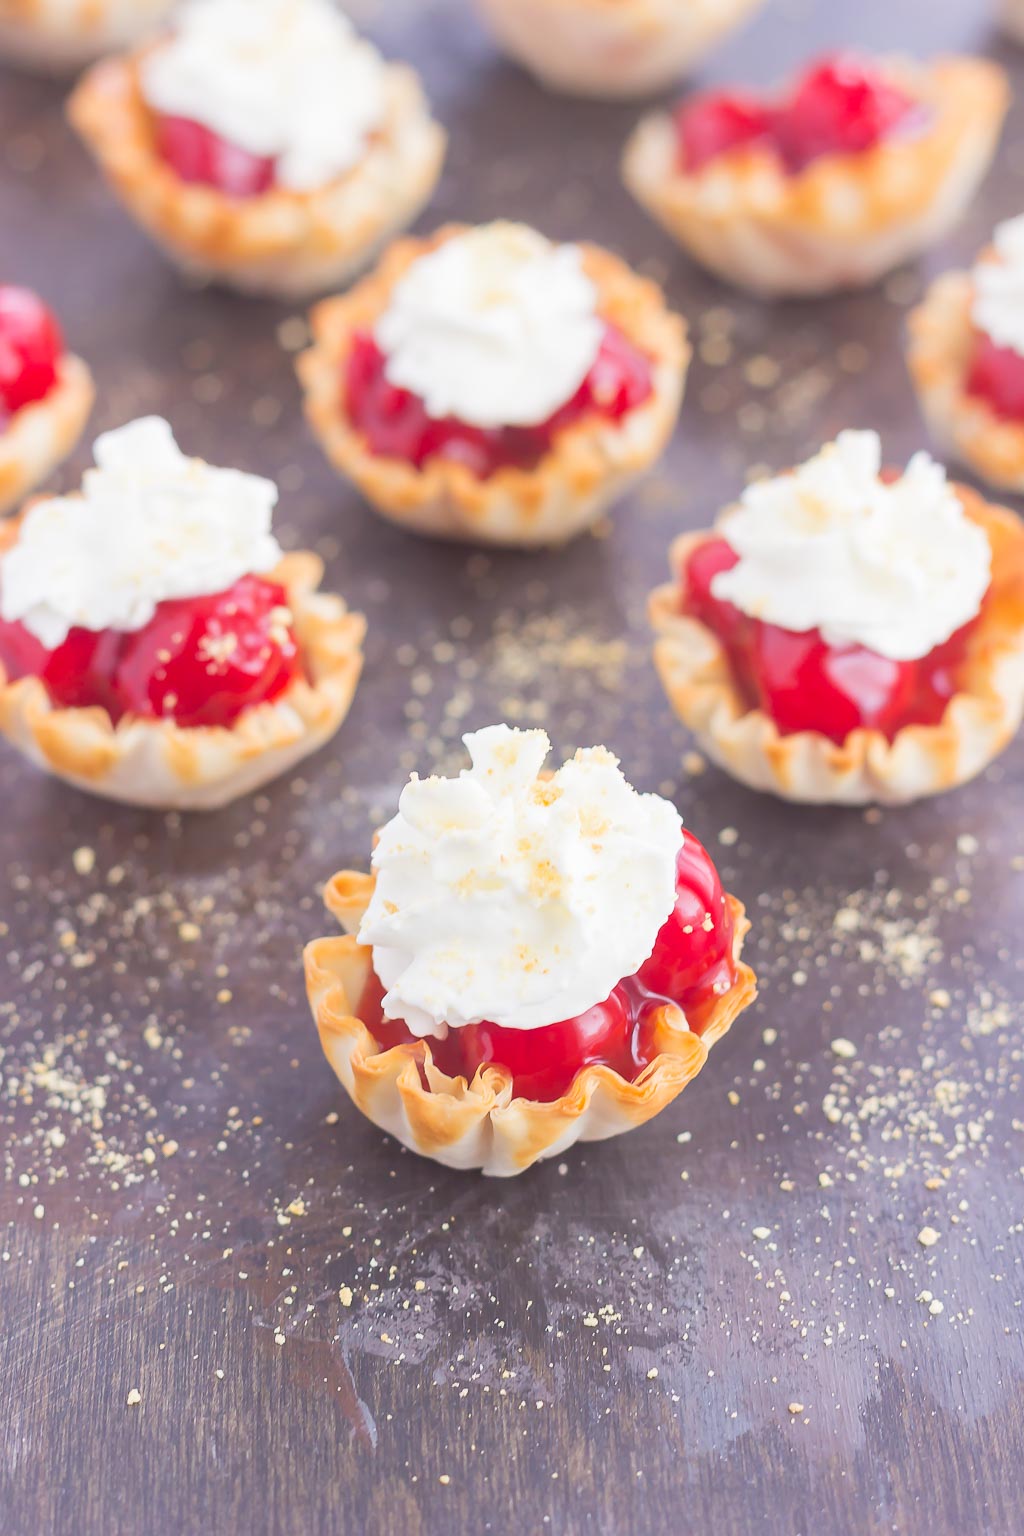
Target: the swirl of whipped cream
pixel 497 327
pixel 522 901
pixel 284 79
pixel 896 568
pixel 149 525
pixel 998 279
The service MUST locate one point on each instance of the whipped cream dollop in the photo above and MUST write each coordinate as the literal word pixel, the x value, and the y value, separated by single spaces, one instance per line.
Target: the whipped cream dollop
pixel 998 280
pixel 150 524
pixel 497 327
pixel 522 901
pixel 896 568
pixel 284 79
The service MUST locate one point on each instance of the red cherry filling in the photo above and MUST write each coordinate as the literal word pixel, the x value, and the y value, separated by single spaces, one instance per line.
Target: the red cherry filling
pixel 199 661
pixel 196 154
pixel 841 106
pixel 30 349
pixel 803 683
pixel 691 965
pixel 396 425
pixel 996 375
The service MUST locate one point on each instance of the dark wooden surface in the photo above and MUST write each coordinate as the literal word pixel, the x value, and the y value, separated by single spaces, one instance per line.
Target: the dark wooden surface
pixel 330 1335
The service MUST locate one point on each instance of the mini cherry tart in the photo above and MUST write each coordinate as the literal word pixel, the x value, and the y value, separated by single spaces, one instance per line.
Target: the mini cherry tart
pixel 842 105
pixel 805 684
pixel 31 348
pixel 691 966
pixel 197 154
pixel 395 423
pixel 199 661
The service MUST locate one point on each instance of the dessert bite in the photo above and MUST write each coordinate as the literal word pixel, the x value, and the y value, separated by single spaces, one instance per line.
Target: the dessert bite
pixel 536 959
pixel 628 48
pixel 262 143
pixel 46 394
pixel 491 385
pixel 966 358
pixel 845 634
pixel 58 37
pixel 857 166
pixel 156 645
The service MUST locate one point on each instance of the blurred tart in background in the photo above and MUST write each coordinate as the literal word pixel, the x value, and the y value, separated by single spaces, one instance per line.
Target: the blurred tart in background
pixel 46 394
pixel 859 165
pixel 612 48
pixel 966 358
pixel 57 37
pixel 262 143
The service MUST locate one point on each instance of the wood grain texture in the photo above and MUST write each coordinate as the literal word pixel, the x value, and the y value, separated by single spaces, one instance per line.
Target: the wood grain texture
pixel 329 1335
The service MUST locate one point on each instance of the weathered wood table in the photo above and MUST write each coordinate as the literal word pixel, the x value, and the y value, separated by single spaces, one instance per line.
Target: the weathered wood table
pixel 725 1322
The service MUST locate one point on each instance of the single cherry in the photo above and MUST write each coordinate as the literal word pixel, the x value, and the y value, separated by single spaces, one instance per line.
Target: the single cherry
pixel 202 661
pixel 196 154
pixel 713 125
pixel 31 347
pixel 710 559
pixel 697 934
pixel 806 685
pixel 544 1062
pixel 996 375
pixel 78 673
pixel 842 106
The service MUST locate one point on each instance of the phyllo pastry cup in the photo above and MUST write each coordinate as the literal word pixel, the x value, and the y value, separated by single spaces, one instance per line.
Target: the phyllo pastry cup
pixel 479 1124
pixel 39 436
pixel 57 37
pixel 283 243
pixel 978 723
pixel 940 345
pixel 592 462
pixel 844 220
pixel 612 48
pixel 163 765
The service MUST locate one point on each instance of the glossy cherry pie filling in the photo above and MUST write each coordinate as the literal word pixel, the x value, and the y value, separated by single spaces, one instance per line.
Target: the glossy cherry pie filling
pixel 842 105
pixel 805 684
pixel 396 425
pixel 996 375
pixel 199 661
pixel 691 966
pixel 197 154
pixel 31 348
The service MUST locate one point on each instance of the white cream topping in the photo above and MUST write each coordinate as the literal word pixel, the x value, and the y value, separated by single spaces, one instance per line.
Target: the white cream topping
pixel 998 307
pixel 521 901
pixel 897 568
pixel 497 327
pixel 286 79
pixel 149 525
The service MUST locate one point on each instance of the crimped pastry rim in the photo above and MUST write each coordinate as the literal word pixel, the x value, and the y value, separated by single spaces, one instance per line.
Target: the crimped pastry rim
pixel 807 766
pixel 964 92
pixel 584 454
pixel 940 332
pixel 507 1134
pixel 40 435
pixel 200 767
